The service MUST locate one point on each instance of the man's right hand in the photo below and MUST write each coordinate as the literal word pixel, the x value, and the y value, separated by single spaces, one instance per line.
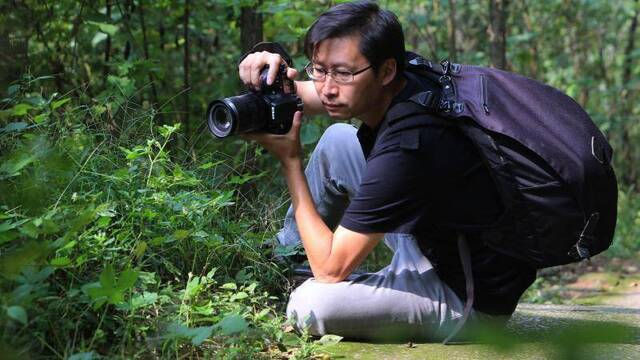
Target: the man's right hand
pixel 250 68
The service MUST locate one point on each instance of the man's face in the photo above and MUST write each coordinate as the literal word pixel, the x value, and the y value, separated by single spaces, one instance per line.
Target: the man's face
pixel 356 99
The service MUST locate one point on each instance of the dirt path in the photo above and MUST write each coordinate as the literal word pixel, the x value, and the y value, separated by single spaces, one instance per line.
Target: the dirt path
pixel 630 300
pixel 603 281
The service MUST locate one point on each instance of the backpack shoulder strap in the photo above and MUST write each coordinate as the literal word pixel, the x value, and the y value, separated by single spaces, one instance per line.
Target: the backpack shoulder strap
pixel 440 74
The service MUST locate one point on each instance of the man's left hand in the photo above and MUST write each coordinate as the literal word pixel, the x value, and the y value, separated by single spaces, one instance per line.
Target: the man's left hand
pixel 285 148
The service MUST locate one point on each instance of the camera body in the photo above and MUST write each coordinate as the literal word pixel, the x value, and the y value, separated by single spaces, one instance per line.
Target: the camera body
pixel 269 109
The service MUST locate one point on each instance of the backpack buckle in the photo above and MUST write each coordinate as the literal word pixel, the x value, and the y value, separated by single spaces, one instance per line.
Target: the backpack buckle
pixel 446 106
pixel 421 62
pixel 424 99
pixel 446 66
pixel 580 251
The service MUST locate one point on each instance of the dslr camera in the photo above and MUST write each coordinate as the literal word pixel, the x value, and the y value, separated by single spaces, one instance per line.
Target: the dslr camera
pixel 269 109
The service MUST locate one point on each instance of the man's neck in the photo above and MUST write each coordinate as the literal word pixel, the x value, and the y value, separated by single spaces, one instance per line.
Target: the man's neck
pixel 374 117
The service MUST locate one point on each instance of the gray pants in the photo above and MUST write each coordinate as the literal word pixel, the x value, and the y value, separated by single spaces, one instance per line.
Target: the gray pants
pixel 405 300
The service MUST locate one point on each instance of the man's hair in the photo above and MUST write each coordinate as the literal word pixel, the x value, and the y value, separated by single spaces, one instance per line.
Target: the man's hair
pixel 380 32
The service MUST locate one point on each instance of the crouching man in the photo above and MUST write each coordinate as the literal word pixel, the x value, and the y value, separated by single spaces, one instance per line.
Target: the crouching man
pixel 383 182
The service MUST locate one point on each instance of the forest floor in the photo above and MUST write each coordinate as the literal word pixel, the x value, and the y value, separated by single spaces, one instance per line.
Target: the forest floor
pixel 601 281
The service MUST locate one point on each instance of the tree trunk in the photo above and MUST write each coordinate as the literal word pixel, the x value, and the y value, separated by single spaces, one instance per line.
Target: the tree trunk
pixel 250 27
pixel 628 59
pixel 628 154
pixel 497 32
pixel 107 44
pixel 14 46
pixel 533 47
pixel 453 53
pixel 186 86
pixel 145 47
pixel 250 34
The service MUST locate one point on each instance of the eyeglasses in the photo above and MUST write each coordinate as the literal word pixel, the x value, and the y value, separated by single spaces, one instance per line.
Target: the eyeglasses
pixel 340 76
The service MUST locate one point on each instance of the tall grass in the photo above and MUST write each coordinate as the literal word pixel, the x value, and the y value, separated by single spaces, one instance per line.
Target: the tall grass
pixel 116 242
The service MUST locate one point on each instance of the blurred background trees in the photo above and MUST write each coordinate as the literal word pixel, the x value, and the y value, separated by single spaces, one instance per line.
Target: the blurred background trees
pixel 175 56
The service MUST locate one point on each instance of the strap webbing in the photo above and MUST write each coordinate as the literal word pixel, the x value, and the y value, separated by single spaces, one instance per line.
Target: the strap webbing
pixel 465 259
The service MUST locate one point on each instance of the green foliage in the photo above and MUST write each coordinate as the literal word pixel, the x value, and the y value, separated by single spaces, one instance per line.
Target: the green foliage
pixel 126 231
pixel 124 241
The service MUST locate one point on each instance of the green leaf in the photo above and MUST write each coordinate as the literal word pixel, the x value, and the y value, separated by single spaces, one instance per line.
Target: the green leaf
pixel 68 245
pixel 310 133
pixel 167 130
pixel 13 262
pixel 329 340
pixel 209 165
pixel 126 85
pixel 229 286
pixel 14 127
pixel 17 313
pixel 197 335
pixel 11 90
pixel 143 300
pixel 61 261
pixel 57 104
pixel 13 166
pixel 232 324
pixel 239 296
pixel 110 290
pixel 107 278
pixel 263 313
pixel 239 180
pixel 251 288
pixel 82 356
pixel 36 100
pixel 127 280
pixel 40 118
pixel 287 250
pixel 140 249
pixel 98 38
pixel 8 225
pixel 103 222
pixel 21 109
pixel 181 234
pixel 104 27
pixel 8 236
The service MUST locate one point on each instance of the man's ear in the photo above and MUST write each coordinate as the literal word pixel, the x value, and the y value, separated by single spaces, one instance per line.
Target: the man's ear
pixel 388 71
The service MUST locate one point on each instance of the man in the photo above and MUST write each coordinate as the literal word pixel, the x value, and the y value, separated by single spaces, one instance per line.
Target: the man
pixel 398 182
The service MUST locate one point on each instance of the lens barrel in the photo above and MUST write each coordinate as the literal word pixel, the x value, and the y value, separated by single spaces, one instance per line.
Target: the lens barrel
pixel 236 115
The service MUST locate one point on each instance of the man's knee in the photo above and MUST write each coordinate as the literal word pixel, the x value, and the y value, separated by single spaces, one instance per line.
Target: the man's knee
pixel 312 307
pixel 339 136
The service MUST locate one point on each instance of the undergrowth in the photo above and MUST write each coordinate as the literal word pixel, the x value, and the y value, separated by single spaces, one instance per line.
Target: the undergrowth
pixel 115 242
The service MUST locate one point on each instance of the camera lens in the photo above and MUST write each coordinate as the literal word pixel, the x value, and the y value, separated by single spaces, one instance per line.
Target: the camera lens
pixel 237 115
pixel 221 120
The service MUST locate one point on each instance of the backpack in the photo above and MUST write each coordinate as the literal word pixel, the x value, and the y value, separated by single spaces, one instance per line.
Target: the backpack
pixel 550 163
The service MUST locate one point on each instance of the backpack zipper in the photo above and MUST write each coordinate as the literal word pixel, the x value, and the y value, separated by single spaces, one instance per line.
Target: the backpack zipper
pixel 484 93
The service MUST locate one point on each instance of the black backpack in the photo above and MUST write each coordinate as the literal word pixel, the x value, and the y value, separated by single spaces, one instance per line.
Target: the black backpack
pixel 550 163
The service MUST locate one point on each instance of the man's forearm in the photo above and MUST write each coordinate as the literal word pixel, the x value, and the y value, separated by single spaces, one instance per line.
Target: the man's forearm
pixel 317 238
pixel 307 92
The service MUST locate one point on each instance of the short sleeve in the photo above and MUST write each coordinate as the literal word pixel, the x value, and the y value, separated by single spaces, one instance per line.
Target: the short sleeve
pixel 395 192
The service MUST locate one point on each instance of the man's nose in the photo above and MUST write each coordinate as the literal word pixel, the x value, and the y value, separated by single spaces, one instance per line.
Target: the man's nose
pixel 330 87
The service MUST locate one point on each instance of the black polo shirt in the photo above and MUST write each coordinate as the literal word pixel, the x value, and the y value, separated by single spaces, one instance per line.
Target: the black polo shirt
pixel 425 175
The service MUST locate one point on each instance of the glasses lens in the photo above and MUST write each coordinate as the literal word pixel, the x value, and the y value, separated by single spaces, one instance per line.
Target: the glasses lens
pixel 314 73
pixel 342 77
